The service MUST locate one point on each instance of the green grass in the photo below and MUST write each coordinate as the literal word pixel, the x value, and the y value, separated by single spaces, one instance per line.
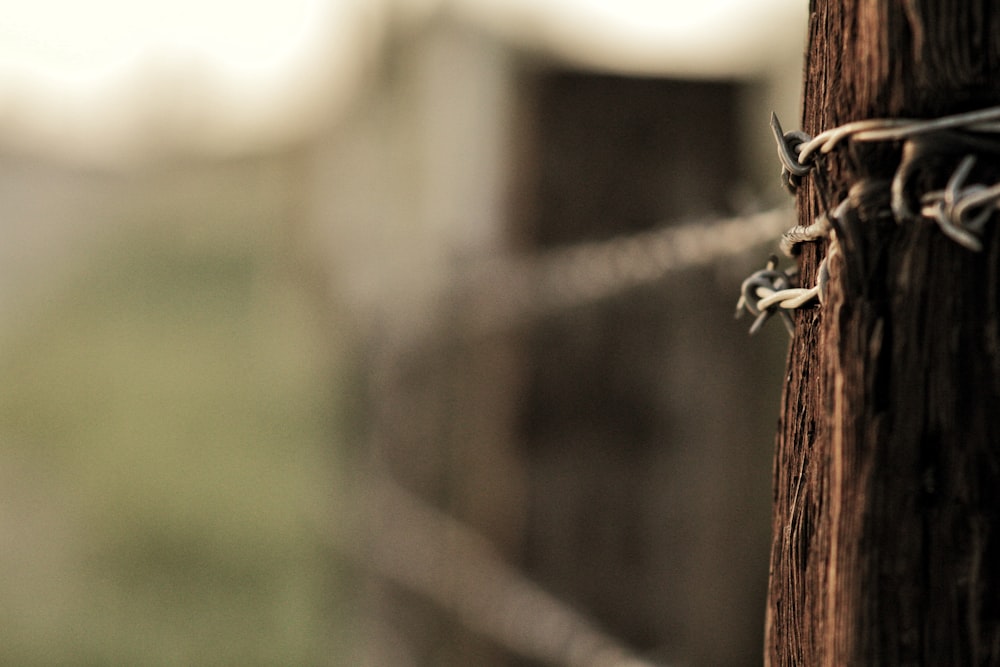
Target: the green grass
pixel 165 444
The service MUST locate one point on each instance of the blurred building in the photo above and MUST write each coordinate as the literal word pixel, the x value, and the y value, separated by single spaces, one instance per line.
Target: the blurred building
pixel 614 451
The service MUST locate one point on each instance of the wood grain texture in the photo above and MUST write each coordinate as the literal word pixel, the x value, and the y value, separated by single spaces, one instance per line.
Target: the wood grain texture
pixel 886 535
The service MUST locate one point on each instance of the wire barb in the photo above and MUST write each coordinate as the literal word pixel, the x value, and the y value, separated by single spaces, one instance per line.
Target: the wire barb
pixel 771 291
pixel 758 296
pixel 789 144
pixel 962 211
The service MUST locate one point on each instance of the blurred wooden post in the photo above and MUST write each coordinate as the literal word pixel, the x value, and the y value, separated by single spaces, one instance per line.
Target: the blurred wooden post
pixel 886 542
pixel 641 473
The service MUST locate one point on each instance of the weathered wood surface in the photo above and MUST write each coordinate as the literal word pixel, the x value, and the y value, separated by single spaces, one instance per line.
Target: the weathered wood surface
pixel 886 542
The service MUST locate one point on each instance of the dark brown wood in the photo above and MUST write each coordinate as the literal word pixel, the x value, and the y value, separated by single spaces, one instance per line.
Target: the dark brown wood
pixel 639 467
pixel 886 536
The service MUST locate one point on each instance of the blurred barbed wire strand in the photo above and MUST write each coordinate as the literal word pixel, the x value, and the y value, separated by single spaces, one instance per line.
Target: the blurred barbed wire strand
pixel 424 550
pixel 512 291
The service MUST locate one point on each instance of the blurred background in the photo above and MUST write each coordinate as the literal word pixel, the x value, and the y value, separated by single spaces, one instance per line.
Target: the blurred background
pixel 387 332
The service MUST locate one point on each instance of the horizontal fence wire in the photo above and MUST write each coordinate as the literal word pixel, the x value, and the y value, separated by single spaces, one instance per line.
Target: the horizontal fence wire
pixel 508 292
pixel 416 546
pixel 426 551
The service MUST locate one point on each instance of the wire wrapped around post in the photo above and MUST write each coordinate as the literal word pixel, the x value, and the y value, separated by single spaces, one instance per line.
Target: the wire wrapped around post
pixel 961 207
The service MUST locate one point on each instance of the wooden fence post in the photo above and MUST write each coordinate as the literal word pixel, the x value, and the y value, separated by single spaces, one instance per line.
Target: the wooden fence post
pixel 886 542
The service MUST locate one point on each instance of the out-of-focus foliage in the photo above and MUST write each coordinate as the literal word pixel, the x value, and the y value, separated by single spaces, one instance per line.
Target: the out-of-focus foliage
pixel 165 445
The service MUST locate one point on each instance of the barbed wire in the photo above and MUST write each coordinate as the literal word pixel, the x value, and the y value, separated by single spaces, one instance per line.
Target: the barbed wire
pixel 512 291
pixel 427 551
pixel 771 291
pixel 959 210
pixel 418 547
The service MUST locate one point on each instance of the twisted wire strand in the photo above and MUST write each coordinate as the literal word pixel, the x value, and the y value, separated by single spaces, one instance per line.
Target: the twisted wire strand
pixel 595 270
pixel 887 129
pixel 429 552
pixel 423 549
pixel 799 234
pixel 510 292
pixel 960 211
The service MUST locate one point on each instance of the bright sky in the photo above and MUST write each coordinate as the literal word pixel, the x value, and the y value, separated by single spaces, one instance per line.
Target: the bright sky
pixel 91 76
pixel 68 37
pixel 114 80
pixel 708 38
